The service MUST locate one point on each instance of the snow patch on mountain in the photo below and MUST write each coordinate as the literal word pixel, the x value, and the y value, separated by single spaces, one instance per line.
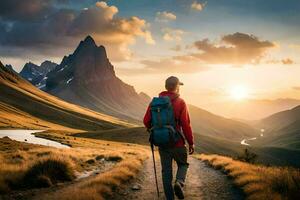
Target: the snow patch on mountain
pixel 37 75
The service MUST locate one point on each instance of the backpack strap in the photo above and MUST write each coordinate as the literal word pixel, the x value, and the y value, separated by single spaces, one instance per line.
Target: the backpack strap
pixel 176 121
pixel 159 118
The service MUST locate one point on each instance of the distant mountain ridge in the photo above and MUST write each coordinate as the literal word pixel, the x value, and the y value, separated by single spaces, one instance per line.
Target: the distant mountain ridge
pixel 87 78
pixel 252 109
pixel 282 129
pixel 212 125
pixel 37 75
pixel 281 119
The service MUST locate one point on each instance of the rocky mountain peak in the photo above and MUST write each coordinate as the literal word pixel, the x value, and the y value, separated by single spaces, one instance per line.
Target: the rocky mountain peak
pixel 37 75
pixel 89 40
pixel 48 63
pixel 87 78
pixel 87 65
pixel 87 44
pixel 89 47
pixel 29 70
pixel 9 67
pixel 29 66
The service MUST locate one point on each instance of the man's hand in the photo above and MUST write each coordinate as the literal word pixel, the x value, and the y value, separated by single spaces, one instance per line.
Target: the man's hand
pixel 191 149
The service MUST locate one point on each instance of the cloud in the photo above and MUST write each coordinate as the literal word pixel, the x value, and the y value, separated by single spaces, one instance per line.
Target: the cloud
pixel 198 6
pixel 296 88
pixel 108 11
pixel 118 33
pixel 294 46
pixel 25 10
pixel 174 64
pixel 165 16
pixel 285 61
pixel 172 34
pixel 177 48
pixel 62 29
pixel 236 49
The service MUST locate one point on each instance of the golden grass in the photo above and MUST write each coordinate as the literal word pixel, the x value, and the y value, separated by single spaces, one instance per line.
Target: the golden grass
pixel 257 181
pixel 22 167
pixel 12 118
pixel 17 158
pixel 103 185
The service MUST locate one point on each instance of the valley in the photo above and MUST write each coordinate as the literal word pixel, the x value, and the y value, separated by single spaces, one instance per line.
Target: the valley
pixel 82 106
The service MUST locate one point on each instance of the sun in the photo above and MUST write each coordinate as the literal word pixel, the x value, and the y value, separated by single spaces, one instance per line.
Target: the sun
pixel 239 92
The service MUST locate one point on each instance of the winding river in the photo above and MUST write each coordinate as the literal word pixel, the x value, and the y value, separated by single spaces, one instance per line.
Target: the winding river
pixel 27 136
pixel 244 141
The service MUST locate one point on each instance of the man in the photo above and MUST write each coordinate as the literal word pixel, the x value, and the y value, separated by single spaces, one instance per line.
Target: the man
pixel 179 151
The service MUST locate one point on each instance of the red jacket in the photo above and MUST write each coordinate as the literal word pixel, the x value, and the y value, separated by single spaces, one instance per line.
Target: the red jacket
pixel 181 114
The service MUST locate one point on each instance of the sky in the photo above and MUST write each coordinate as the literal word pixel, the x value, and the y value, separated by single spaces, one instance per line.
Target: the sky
pixel 226 52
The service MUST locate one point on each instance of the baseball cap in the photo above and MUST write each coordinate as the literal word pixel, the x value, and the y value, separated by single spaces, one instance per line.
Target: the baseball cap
pixel 173 81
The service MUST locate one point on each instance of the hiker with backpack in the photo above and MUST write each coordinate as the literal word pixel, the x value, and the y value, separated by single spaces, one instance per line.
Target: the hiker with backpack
pixel 168 122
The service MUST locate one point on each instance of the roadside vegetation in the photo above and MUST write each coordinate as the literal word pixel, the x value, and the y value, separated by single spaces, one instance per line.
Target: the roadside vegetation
pixel 25 166
pixel 247 156
pixel 102 186
pixel 257 181
pixel 130 159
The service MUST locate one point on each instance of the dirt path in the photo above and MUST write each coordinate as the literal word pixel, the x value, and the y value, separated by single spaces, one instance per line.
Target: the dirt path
pixel 202 183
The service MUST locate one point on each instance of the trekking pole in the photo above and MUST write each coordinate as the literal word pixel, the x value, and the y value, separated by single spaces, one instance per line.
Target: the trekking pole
pixel 157 190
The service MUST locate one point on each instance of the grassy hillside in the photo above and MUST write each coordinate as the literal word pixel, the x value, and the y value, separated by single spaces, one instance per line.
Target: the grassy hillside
pixel 287 137
pixel 212 125
pixel 269 155
pixel 26 166
pixel 281 120
pixel 139 135
pixel 281 142
pixel 258 182
pixel 289 140
pixel 278 156
pixel 24 106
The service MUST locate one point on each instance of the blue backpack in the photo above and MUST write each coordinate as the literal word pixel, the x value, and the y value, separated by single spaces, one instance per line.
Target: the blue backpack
pixel 163 132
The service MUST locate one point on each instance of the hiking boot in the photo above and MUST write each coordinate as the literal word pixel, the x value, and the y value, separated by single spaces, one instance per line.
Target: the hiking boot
pixel 178 190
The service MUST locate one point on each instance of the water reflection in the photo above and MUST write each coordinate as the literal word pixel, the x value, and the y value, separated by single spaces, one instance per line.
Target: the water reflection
pixel 27 136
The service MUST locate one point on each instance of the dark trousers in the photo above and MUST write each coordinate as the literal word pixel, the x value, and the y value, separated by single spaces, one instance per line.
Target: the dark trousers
pixel 167 155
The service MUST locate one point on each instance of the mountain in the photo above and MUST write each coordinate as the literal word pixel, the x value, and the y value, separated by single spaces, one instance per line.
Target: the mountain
pixel 282 129
pixel 213 125
pixel 10 67
pixel 37 75
pixel 87 78
pixel 24 106
pixel 281 120
pixel 253 109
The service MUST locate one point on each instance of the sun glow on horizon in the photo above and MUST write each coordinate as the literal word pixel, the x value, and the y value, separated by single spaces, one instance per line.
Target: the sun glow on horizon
pixel 239 92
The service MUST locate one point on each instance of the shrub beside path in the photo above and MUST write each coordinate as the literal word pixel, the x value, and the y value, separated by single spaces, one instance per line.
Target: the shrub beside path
pixel 202 182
